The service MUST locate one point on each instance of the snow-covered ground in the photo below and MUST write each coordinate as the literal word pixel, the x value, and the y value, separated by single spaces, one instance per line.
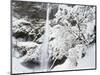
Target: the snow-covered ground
pixel 87 62
pixel 68 36
pixel 18 68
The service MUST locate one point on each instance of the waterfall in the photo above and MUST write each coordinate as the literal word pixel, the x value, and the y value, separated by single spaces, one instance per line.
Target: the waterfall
pixel 44 50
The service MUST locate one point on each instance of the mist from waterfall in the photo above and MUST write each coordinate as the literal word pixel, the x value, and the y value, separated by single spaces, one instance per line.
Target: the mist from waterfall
pixel 44 50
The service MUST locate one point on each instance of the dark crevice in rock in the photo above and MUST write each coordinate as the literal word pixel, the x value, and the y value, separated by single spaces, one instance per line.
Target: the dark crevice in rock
pixel 57 62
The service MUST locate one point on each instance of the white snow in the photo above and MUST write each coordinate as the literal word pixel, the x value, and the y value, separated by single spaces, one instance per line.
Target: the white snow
pixel 87 62
pixel 18 68
pixel 27 44
pixel 64 38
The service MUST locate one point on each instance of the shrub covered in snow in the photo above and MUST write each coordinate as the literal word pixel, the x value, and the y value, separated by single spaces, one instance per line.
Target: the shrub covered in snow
pixel 71 30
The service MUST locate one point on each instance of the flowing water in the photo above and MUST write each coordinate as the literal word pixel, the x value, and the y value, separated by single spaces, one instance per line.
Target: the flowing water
pixel 44 50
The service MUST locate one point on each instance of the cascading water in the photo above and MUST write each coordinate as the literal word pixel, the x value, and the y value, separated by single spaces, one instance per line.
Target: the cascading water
pixel 44 49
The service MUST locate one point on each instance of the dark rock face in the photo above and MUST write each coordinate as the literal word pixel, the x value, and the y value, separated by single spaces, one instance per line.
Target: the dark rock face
pixel 28 37
pixel 73 22
pixel 83 55
pixel 21 50
pixel 31 64
pixel 20 35
pixel 23 36
pixel 94 34
pixel 57 62
pixel 23 53
pixel 53 12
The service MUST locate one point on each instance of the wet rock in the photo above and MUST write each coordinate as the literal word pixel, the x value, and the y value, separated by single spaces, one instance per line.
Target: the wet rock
pixel 31 64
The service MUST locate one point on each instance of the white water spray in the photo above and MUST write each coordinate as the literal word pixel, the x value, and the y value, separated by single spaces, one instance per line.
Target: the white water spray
pixel 44 50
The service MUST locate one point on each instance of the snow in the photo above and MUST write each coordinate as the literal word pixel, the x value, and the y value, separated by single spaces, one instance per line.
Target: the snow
pixel 18 68
pixel 66 41
pixel 88 62
pixel 27 44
